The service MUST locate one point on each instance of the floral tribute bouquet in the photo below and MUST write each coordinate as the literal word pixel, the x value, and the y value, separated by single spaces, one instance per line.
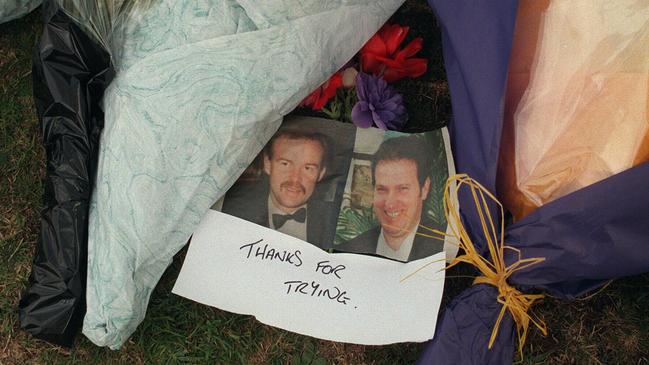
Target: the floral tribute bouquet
pixel 523 96
pixel 361 92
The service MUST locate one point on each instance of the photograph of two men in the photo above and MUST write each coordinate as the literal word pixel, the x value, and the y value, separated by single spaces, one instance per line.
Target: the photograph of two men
pixel 347 189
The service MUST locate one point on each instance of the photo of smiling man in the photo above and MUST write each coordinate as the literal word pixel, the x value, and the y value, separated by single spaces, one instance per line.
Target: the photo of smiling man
pixel 401 180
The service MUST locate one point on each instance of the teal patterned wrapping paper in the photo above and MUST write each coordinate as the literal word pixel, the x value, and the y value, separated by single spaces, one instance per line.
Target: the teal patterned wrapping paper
pixel 200 88
pixel 13 9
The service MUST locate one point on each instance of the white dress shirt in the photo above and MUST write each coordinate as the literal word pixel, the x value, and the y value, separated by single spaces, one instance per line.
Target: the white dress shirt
pixel 402 254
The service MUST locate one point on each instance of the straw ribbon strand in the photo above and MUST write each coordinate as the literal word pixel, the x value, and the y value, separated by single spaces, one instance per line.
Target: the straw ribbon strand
pixel 494 271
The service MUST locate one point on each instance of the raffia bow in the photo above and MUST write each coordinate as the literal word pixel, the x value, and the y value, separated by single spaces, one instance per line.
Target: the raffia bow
pixel 494 271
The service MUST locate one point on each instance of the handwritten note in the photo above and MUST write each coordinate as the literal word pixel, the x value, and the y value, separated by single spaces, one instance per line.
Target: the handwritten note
pixel 285 282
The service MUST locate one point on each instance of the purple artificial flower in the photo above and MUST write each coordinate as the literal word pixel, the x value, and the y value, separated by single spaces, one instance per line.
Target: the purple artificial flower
pixel 377 104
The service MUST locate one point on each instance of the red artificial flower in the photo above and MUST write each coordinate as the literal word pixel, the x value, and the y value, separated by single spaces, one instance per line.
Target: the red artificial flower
pixel 381 55
pixel 320 96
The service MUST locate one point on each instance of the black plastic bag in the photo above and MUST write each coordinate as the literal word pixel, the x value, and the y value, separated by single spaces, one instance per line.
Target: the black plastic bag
pixel 70 74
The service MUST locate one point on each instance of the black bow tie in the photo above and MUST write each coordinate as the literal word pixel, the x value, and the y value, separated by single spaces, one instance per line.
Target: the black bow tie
pixel 280 219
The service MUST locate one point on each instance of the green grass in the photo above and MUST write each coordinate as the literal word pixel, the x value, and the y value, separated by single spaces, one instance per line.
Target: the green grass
pixel 610 328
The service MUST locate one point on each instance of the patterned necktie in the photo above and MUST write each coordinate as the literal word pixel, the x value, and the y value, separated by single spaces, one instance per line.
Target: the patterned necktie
pixel 280 219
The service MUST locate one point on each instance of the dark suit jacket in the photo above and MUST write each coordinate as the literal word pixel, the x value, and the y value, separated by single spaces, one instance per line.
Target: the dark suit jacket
pixel 422 246
pixel 250 202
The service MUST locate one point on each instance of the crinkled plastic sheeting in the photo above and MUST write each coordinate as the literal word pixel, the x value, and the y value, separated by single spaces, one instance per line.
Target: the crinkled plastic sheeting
pixel 577 105
pixel 200 88
pixel 13 9
pixel 70 74
pixel 587 237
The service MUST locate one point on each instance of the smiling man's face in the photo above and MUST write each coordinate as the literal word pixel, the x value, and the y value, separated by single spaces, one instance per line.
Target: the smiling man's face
pixel 398 197
pixel 294 169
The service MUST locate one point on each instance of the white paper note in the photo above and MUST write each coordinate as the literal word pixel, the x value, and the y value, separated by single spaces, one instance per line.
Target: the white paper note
pixel 284 282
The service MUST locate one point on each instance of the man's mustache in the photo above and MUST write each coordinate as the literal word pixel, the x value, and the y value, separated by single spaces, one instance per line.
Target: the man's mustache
pixel 292 185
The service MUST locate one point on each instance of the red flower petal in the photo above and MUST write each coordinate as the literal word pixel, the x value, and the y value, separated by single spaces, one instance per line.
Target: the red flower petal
pixel 320 103
pixel 390 62
pixel 370 63
pixel 393 35
pixel 334 83
pixel 393 74
pixel 415 67
pixel 375 45
pixel 411 49
pixel 319 98
pixel 311 99
pixel 381 54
